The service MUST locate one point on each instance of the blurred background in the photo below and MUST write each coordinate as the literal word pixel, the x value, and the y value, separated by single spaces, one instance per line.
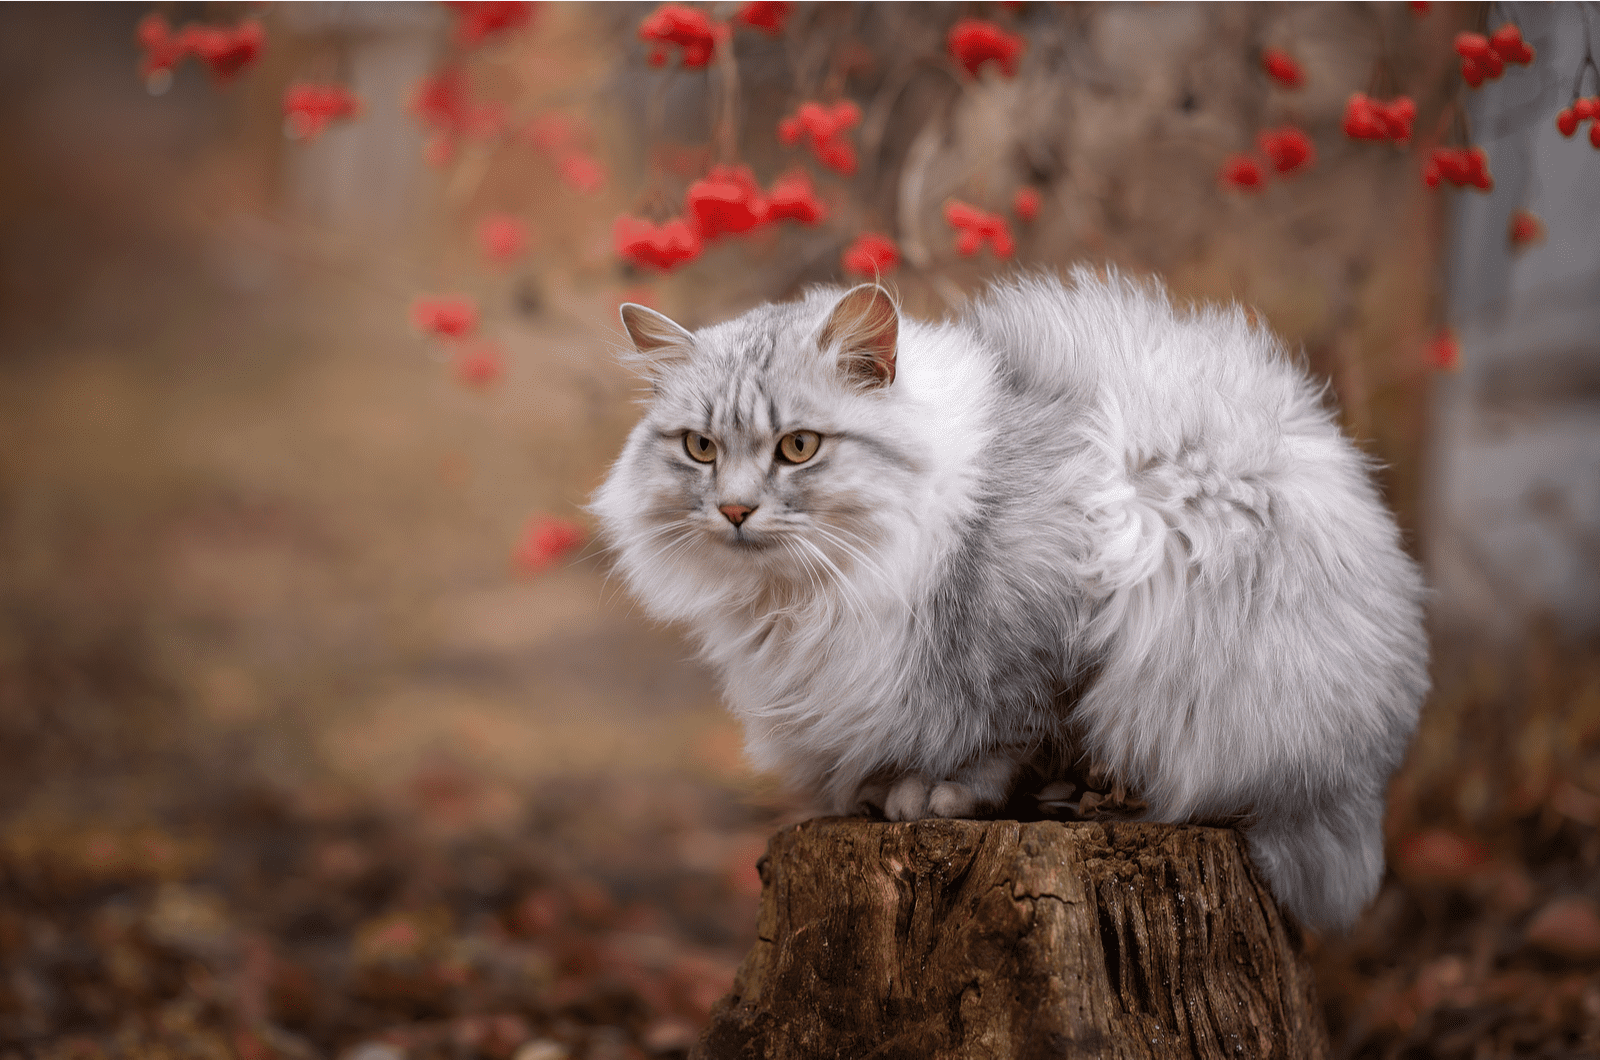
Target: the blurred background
pixel 316 737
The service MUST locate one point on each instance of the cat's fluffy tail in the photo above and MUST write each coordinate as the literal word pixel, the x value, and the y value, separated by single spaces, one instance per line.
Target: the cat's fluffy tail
pixel 1324 864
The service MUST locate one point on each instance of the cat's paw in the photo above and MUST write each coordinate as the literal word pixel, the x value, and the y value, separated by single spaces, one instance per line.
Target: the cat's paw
pixel 908 799
pixel 949 799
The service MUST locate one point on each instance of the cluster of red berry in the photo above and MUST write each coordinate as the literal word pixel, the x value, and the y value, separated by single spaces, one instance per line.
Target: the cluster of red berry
pixel 224 51
pixel 454 319
pixel 443 106
pixel 687 28
pixel 978 227
pixel 824 128
pixel 661 247
pixel 973 42
pixel 1484 58
pixel 727 201
pixel 1289 150
pixel 1582 109
pixel 308 109
pixel 1366 118
pixel 1461 166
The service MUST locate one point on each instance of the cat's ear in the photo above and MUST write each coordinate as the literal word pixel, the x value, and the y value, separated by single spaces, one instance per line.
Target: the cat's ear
pixel 865 327
pixel 659 340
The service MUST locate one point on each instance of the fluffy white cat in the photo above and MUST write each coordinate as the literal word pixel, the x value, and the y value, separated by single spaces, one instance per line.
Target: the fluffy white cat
pixel 929 559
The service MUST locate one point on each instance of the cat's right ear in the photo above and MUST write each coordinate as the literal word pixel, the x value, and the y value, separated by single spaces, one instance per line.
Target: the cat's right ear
pixel 865 327
pixel 659 341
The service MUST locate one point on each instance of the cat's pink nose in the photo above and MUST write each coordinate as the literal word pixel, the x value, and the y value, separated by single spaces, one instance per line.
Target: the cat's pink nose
pixel 736 513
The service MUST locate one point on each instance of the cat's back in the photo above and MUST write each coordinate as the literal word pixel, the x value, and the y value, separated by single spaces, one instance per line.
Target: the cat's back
pixel 1165 377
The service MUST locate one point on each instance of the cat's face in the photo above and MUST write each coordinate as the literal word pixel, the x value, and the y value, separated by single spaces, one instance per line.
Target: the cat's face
pixel 762 458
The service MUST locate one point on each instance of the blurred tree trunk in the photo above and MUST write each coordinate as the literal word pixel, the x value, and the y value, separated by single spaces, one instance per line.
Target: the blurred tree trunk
pixel 954 939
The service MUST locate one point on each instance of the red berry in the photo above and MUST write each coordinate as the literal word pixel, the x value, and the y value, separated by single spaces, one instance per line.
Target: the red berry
pixel 502 237
pixel 1419 7
pixel 1525 228
pixel 1289 149
pixel 1586 107
pixel 1242 172
pixel 871 255
pixel 484 18
pixel 226 51
pixel 1362 120
pixel 1567 121
pixel 793 198
pixel 480 367
pixel 1444 352
pixel 582 173
pixel 1026 204
pixel 1397 118
pixel 766 15
pixel 448 317
pixel 1472 71
pixel 307 109
pixel 1472 45
pixel 1282 68
pixel 1594 134
pixel 545 539
pixel 973 42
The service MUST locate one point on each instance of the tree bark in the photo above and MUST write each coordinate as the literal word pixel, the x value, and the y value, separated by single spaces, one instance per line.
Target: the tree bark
pixel 939 940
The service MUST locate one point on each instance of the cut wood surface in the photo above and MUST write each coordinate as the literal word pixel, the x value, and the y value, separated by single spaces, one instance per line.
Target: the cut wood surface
pixel 998 939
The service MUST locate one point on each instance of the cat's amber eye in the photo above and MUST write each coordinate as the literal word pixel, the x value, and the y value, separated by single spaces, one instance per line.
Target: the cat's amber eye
pixel 699 447
pixel 797 447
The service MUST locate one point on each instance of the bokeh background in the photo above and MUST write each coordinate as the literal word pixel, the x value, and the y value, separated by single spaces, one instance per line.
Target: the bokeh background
pixel 299 759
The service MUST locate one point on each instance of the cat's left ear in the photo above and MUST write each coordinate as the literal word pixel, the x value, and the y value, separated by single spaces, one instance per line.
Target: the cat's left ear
pixel 659 340
pixel 865 326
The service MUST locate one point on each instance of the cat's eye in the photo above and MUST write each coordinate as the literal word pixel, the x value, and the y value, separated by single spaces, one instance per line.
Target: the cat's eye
pixel 699 447
pixel 797 447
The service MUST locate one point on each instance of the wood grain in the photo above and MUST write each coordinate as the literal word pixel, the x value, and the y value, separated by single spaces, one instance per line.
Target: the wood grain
pixel 998 939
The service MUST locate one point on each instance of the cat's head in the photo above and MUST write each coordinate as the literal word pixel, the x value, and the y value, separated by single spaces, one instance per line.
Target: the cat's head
pixel 766 457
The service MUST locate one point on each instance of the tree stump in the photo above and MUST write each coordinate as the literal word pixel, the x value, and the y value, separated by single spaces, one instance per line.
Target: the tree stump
pixel 939 940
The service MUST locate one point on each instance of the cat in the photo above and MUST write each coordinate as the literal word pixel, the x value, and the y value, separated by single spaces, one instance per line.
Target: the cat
pixel 926 559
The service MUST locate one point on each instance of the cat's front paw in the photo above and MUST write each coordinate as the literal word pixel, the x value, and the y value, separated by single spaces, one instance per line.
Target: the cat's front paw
pixel 908 799
pixel 949 799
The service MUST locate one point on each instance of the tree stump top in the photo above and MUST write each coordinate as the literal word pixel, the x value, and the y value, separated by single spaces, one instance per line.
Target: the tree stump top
pixel 997 939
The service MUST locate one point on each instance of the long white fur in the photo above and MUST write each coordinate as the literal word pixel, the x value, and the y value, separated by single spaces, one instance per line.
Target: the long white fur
pixel 1081 472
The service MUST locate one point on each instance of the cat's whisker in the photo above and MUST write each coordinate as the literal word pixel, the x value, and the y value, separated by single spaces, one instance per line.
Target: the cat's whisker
pixel 851 592
pixel 870 565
